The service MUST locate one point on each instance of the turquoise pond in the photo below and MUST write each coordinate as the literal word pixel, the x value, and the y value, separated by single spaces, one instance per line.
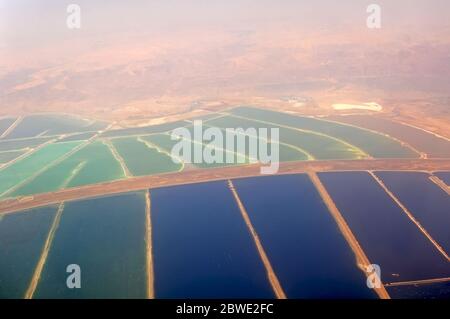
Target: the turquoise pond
pixel 22 238
pixel 106 238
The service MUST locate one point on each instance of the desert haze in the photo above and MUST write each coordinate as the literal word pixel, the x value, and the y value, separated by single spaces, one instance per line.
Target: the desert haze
pixel 143 61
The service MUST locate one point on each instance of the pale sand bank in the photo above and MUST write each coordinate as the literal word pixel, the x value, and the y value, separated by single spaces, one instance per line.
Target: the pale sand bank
pixel 371 106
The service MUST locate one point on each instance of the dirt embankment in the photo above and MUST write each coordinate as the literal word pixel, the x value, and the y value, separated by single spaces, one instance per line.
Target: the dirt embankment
pixel 225 173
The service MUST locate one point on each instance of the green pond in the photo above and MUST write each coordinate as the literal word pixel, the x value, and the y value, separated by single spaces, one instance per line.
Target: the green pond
pixel 91 164
pixel 22 239
pixel 53 124
pixel 105 237
pixel 142 159
pixel 377 145
pixel 30 165
pixel 319 146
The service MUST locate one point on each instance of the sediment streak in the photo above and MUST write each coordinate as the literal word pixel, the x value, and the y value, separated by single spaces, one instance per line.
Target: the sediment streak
pixel 40 265
pixel 12 127
pixel 273 279
pixel 411 216
pixel 419 282
pixel 441 184
pixel 118 158
pixel 361 258
pixel 149 247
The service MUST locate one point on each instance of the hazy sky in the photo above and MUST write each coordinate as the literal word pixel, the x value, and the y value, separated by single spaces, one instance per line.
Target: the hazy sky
pixel 25 22
pixel 130 54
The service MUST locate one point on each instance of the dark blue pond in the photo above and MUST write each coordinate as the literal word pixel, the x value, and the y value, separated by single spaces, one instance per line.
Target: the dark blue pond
pixel 106 238
pixel 201 245
pixel 307 251
pixel 429 291
pixel 389 238
pixel 429 203
pixel 444 176
pixel 22 238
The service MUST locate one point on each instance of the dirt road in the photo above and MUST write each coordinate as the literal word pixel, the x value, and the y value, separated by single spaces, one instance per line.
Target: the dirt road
pixel 204 175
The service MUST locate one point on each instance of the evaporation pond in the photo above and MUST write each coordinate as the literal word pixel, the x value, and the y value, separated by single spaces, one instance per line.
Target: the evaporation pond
pixel 22 239
pixel 444 176
pixel 106 238
pixel 427 202
pixel 439 290
pixel 303 242
pixel 202 247
pixel 386 234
